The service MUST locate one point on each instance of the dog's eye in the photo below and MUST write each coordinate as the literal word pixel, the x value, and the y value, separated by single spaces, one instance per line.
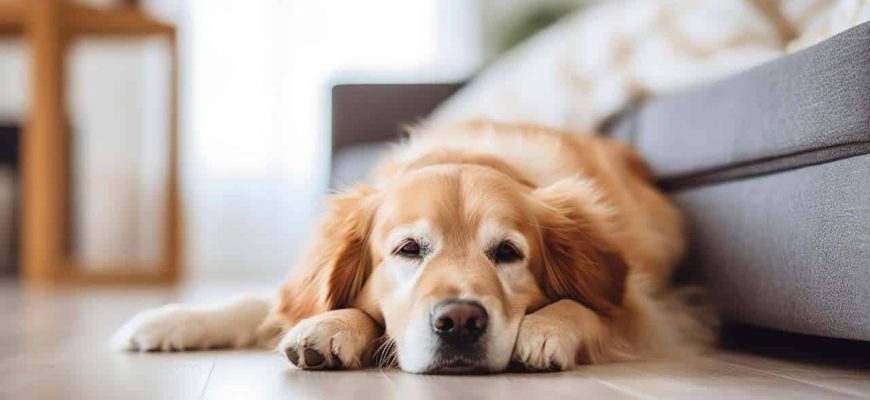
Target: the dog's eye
pixel 504 253
pixel 409 248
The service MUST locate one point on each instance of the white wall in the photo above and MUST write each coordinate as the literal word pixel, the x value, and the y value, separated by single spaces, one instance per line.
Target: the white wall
pixel 13 79
pixel 118 98
pixel 258 137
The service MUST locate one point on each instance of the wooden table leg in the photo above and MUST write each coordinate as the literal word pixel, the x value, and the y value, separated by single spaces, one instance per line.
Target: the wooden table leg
pixel 45 146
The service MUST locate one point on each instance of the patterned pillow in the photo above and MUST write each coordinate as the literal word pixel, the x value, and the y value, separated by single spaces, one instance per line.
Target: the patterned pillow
pixel 593 63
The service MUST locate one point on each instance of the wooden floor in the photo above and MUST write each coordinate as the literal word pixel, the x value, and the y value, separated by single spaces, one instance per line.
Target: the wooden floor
pixel 52 347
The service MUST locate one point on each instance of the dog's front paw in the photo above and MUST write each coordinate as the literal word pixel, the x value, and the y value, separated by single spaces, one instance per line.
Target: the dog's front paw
pixel 545 344
pixel 333 340
pixel 166 328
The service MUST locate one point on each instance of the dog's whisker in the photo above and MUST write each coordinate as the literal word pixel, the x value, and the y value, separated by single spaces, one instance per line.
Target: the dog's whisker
pixel 382 351
pixel 386 354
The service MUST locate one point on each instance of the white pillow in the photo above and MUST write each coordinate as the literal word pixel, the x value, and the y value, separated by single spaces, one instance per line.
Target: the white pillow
pixel 592 64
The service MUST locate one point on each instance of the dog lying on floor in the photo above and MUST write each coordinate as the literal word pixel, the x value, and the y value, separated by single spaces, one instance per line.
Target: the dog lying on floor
pixel 478 244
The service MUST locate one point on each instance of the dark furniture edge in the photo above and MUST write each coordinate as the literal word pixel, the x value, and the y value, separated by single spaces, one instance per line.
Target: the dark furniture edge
pixel 370 113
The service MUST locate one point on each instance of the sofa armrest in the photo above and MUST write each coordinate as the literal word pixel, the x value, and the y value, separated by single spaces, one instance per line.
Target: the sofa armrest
pixel 369 113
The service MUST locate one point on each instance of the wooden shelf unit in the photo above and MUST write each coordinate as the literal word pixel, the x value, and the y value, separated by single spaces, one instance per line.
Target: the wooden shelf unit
pixel 49 26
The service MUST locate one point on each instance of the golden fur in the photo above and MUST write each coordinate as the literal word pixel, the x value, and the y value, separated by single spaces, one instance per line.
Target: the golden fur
pixel 599 245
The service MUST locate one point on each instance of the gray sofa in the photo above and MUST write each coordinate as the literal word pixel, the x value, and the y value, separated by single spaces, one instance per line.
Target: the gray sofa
pixel 771 168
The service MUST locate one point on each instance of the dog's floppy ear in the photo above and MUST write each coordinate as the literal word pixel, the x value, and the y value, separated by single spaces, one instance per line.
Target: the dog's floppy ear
pixel 344 245
pixel 579 261
pixel 338 263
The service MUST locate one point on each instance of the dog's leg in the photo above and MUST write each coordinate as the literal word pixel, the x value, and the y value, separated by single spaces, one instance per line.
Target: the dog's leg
pixel 336 339
pixel 553 337
pixel 179 327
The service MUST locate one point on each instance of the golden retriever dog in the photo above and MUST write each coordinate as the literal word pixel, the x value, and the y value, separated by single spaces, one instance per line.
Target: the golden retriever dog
pixel 477 246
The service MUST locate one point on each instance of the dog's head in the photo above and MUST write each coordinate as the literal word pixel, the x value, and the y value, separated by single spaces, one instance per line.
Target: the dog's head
pixel 449 258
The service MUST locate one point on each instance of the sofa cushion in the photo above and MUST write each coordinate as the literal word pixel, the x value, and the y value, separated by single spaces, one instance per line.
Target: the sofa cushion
pixel 805 108
pixel 788 251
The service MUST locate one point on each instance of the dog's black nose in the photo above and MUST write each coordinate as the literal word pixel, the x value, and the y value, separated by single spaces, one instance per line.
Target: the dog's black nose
pixel 458 323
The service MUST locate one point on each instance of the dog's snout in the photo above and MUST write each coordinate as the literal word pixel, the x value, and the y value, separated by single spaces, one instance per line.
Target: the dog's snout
pixel 458 322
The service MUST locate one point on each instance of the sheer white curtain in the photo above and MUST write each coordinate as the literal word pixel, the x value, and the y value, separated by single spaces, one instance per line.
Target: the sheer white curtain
pixel 255 124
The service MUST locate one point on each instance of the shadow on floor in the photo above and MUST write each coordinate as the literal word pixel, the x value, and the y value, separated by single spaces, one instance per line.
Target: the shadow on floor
pixel 794 347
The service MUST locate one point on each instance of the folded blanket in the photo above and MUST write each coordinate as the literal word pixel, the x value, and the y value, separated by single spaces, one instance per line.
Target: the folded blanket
pixel 594 63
